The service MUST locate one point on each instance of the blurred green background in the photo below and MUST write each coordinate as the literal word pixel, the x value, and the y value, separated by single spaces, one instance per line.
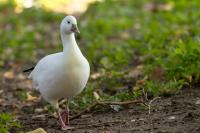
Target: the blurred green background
pixel 132 45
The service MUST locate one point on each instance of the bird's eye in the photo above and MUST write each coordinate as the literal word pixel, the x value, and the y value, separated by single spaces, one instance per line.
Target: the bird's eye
pixel 68 22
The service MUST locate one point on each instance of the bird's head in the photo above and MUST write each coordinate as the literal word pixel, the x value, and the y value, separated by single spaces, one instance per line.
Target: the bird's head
pixel 69 25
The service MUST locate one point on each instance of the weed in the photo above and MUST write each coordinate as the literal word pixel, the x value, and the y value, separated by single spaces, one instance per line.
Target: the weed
pixel 7 123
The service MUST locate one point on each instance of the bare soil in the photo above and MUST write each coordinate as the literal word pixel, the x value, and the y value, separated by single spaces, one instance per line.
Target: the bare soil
pixel 179 113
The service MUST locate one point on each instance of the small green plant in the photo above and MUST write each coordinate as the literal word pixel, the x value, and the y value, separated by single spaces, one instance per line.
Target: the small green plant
pixel 22 94
pixel 7 122
pixel 163 88
pixel 50 109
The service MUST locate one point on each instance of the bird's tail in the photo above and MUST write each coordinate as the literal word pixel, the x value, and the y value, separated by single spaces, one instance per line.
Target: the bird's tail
pixel 28 70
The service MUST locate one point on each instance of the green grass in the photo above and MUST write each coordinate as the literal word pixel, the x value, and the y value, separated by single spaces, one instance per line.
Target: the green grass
pixel 114 35
pixel 7 122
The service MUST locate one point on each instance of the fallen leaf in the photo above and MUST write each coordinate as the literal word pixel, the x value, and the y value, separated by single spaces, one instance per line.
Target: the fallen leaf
pixel 54 115
pixel 39 130
pixel 8 75
pixel 95 75
pixel 197 102
pixel 30 97
pixel 96 95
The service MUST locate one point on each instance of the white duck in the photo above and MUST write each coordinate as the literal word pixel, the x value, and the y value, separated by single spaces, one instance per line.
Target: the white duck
pixel 64 74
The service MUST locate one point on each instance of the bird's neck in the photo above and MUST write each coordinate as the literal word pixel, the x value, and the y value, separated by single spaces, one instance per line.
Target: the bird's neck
pixel 69 44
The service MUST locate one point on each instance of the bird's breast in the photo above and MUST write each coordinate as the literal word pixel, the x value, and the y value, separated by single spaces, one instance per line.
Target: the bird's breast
pixel 75 77
pixel 64 81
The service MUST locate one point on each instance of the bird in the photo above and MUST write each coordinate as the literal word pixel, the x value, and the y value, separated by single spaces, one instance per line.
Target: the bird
pixel 64 74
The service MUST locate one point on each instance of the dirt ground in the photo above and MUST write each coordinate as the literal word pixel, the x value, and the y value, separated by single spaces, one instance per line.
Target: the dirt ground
pixel 176 114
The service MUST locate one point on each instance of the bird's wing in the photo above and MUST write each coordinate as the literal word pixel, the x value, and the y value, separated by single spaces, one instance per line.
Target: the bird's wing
pixel 44 64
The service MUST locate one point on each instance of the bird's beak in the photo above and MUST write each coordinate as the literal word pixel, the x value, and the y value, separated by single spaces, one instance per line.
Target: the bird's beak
pixel 75 28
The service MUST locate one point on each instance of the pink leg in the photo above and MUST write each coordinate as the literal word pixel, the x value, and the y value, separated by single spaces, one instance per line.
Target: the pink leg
pixel 65 116
pixel 63 125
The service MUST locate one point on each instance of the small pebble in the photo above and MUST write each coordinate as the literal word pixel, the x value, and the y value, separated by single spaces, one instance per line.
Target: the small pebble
pixel 171 117
pixel 133 120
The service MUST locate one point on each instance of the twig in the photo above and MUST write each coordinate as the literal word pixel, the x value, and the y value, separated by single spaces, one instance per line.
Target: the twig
pixel 105 103
pixel 151 103
pixel 122 103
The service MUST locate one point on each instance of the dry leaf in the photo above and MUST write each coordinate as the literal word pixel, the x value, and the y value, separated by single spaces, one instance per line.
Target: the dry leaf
pixel 55 115
pixel 8 75
pixel 31 98
pixel 96 95
pixel 39 130
pixel 95 75
pixel 197 102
